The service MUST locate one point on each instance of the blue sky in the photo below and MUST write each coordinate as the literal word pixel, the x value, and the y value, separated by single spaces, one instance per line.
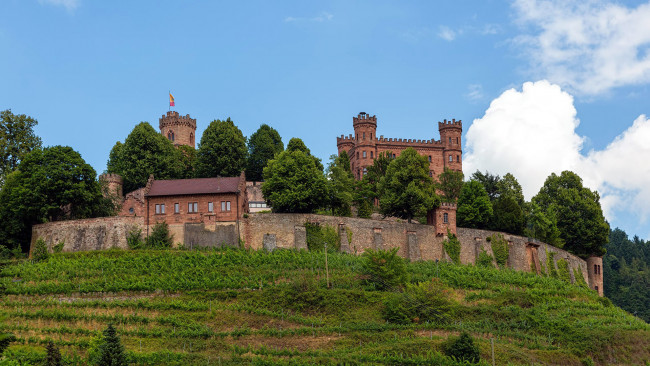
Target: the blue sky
pixel 541 86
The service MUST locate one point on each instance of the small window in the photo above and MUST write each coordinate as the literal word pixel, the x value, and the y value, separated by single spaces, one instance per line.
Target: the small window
pixel 458 158
pixel 595 269
pixel 371 135
pixel 357 155
pixel 429 158
pixel 451 158
pixel 170 135
pixel 191 138
pixel 225 205
pixel 192 207
pixel 457 140
pixel 450 140
pixel 160 209
pixel 431 173
pixel 131 210
pixel 445 218
pixel 210 207
pixel 364 154
pixel 393 156
pixel 177 208
pixel 371 157
pixel 596 288
pixel 364 135
pixel 365 171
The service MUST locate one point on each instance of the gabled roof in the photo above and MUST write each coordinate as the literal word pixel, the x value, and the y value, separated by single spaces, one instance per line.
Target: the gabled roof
pixel 175 187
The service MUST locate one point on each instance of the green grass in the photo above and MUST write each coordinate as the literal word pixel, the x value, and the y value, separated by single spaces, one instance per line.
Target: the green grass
pixel 176 307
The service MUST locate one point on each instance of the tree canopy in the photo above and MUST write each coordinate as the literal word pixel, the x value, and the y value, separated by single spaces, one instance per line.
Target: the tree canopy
pixel 489 182
pixel 262 147
pixel 17 139
pixel 407 190
pixel 474 207
pixel 293 183
pixel 54 183
pixel 577 212
pixel 296 144
pixel 341 185
pixel 450 182
pixel 145 152
pixel 222 150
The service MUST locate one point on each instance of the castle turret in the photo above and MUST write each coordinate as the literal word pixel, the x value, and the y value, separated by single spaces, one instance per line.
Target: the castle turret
pixel 365 128
pixel 595 274
pixel 450 137
pixel 180 130
pixel 112 186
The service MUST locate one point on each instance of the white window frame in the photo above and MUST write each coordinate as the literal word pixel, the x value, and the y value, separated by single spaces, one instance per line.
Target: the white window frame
pixel 210 206
pixel 177 208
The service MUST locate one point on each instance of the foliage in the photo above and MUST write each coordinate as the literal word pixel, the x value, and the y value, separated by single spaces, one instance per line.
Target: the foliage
pixel 54 183
pixel 450 183
pixel 367 188
pixel 383 269
pixel 474 207
pixel 293 183
pixel 424 302
pixel 17 139
pixel 111 351
pixel 296 144
pixel 489 182
pixel 222 150
pixel 159 237
pixel 563 270
pixel 318 235
pixel 40 251
pixel 551 269
pixel 577 212
pixel 53 355
pixel 406 191
pixel 541 226
pixel 341 185
pixel 484 259
pixel 508 216
pixel 188 160
pixel 134 238
pixel 463 348
pixel 5 341
pixel 500 249
pixel 58 248
pixel 452 247
pixel 143 153
pixel 263 145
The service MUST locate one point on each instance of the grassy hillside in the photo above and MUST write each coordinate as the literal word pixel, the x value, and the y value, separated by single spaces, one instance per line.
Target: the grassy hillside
pixel 233 307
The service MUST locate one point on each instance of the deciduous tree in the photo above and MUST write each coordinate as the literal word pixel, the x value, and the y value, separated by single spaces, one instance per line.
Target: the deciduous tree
pixel 450 182
pixel 474 207
pixel 341 185
pixel 222 151
pixel 262 147
pixel 17 139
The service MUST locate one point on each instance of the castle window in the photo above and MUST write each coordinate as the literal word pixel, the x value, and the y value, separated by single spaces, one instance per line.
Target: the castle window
pixel 365 171
pixel 431 173
pixel 429 158
pixel 458 158
pixel 177 208
pixel 393 156
pixel 457 140
pixel 225 205
pixel 371 135
pixel 371 155
pixel 357 155
pixel 451 158
pixel 210 207
pixel 364 154
pixel 596 288
pixel 445 218
pixel 131 210
pixel 170 135
pixel 364 135
pixel 191 138
pixel 192 207
pixel 160 209
pixel 450 140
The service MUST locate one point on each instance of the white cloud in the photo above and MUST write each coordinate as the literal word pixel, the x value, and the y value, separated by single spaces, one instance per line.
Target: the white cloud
pixel 70 5
pixel 446 33
pixel 322 17
pixel 474 92
pixel 587 46
pixel 531 134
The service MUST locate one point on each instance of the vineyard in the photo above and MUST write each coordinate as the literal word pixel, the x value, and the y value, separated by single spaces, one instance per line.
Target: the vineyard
pixel 227 307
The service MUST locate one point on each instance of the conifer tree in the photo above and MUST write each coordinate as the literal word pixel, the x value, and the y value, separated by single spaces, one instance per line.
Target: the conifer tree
pixel 111 351
pixel 53 357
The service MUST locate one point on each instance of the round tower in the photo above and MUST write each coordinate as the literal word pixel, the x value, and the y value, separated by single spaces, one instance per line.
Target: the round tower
pixel 112 186
pixel 365 141
pixel 450 137
pixel 180 130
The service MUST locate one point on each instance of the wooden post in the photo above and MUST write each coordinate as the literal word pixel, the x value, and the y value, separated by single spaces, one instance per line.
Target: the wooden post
pixel 327 273
pixel 492 346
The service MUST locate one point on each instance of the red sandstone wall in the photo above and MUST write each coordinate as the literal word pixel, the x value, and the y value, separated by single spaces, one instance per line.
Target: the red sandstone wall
pixel 202 216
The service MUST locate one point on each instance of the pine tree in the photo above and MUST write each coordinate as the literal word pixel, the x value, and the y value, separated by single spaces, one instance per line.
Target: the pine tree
pixel 111 351
pixel 53 355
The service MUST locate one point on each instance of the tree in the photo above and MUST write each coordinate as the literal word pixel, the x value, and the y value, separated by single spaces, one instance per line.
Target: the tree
pixel 450 183
pixel 296 144
pixel 53 357
pixel 262 147
pixel 293 183
pixel 509 186
pixel 508 207
pixel 17 139
pixel 160 237
pixel 341 185
pixel 540 226
pixel 145 152
pixel 474 207
pixel 489 183
pixel 407 190
pixel 462 348
pixel 111 351
pixel 51 184
pixel 222 150
pixel 577 212
pixel 367 189
pixel 188 160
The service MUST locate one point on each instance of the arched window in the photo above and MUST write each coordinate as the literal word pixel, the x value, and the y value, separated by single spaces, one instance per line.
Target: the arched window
pixel 191 138
pixel 451 158
pixel 445 218
pixel 450 140
pixel 170 135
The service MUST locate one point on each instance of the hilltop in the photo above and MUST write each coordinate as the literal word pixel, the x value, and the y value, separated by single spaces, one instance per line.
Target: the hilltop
pixel 235 306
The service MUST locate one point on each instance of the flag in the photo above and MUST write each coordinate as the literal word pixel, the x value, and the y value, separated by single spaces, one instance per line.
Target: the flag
pixel 171 100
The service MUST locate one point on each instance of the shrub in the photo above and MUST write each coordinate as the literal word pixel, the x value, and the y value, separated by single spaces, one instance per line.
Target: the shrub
pixel 500 249
pixel 160 237
pixel 364 209
pixel 550 265
pixel 452 247
pixel 563 270
pixel 5 340
pixel 40 252
pixel 59 247
pixel 580 280
pixel 485 260
pixel 383 269
pixel 53 357
pixel 462 348
pixel 111 351
pixel 318 235
pixel 134 238
pixel 419 303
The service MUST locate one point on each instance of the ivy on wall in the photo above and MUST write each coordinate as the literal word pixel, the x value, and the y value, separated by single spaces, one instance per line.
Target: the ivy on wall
pixel 452 247
pixel 500 249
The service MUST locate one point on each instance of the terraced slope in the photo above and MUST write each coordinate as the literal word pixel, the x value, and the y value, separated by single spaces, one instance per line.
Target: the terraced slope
pixel 237 307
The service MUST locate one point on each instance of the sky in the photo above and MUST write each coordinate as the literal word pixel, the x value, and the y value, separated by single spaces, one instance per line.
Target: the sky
pixel 541 86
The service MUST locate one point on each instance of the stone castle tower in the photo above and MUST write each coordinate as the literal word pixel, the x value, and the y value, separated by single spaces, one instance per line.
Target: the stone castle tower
pixel 180 130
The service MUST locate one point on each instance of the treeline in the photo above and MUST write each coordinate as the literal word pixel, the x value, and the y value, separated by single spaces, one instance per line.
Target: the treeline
pixel 627 273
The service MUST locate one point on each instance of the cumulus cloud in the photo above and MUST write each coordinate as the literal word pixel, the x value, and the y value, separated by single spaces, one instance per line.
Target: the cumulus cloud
pixel 588 46
pixel 322 17
pixel 531 134
pixel 68 4
pixel 446 33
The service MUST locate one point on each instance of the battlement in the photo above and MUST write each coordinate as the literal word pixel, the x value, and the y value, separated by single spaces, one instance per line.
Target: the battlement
pixel 408 142
pixel 364 117
pixel 448 205
pixel 450 124
pixel 173 118
pixel 111 178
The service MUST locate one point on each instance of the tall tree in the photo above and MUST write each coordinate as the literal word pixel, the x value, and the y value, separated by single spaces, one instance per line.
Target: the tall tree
pixel 145 152
pixel 474 207
pixel 17 139
pixel 222 150
pixel 111 351
pixel 293 183
pixel 489 183
pixel 54 183
pixel 262 147
pixel 341 184
pixel 407 190
pixel 450 183
pixel 367 189
pixel 577 212
pixel 509 206
pixel 296 144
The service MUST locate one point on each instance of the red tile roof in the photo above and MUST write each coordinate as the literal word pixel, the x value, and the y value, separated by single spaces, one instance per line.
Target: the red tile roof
pixel 177 187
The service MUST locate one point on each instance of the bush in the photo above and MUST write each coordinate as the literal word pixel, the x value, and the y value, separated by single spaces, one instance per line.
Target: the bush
pixel 364 208
pixel 53 355
pixel 5 340
pixel 383 269
pixel 500 249
pixel 318 235
pixel 40 252
pixel 160 237
pixel 111 351
pixel 452 247
pixel 134 239
pixel 419 303
pixel 563 270
pixel 59 247
pixel 485 260
pixel 462 348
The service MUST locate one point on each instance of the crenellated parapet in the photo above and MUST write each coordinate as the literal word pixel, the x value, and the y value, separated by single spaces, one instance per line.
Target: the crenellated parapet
pixel 172 118
pixel 450 124
pixel 364 117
